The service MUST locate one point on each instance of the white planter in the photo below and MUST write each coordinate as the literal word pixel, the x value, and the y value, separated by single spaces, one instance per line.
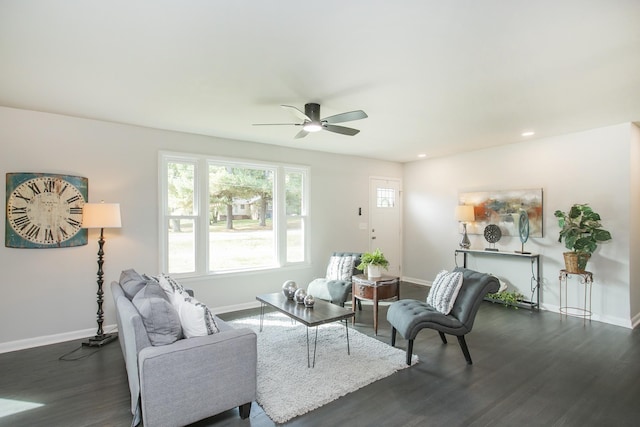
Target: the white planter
pixel 374 271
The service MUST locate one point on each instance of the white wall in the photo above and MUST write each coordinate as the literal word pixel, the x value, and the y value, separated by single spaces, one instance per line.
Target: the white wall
pixel 50 294
pixel 587 167
pixel 634 225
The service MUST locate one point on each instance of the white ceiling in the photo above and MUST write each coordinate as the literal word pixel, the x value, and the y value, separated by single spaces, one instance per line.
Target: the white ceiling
pixel 435 77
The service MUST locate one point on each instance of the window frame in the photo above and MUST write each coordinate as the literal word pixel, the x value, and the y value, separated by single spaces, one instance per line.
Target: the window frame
pixel 201 211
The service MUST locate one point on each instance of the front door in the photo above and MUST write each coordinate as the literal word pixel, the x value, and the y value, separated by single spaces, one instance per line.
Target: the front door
pixel 385 226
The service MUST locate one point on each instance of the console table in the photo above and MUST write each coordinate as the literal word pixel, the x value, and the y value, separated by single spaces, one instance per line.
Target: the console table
pixel 586 279
pixel 534 259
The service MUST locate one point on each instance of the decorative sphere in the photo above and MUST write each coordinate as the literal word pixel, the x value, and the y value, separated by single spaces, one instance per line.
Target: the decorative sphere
pixel 309 301
pixel 300 295
pixel 289 289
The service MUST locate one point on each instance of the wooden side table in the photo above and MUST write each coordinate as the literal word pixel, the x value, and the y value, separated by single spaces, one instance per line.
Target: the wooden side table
pixel 586 279
pixel 374 289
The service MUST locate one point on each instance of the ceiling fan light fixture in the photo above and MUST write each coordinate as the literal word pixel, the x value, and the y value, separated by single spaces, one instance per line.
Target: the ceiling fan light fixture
pixel 312 127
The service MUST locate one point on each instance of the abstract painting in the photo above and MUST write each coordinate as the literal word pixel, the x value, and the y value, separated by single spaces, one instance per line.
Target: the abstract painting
pixel 503 209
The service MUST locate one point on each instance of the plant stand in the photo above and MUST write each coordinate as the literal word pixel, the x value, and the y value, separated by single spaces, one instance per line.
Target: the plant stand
pixel 586 279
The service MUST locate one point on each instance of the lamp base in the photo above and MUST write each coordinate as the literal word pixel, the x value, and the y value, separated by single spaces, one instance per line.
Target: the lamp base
pixel 465 243
pixel 100 340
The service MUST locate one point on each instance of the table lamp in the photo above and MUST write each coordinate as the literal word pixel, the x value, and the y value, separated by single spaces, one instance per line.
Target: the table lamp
pixel 465 214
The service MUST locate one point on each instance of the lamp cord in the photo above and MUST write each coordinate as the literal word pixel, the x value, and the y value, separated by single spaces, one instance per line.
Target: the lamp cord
pixel 65 357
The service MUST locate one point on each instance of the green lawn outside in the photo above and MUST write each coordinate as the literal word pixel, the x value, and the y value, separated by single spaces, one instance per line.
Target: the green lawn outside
pixel 247 245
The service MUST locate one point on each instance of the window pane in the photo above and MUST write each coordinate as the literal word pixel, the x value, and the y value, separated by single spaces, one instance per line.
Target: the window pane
pixel 181 250
pixel 293 188
pixel 247 245
pixel 181 184
pixel 386 198
pixel 295 239
pixel 241 232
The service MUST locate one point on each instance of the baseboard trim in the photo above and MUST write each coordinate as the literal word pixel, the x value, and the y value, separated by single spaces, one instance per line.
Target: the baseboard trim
pixel 51 339
pixel 235 307
pixel 416 281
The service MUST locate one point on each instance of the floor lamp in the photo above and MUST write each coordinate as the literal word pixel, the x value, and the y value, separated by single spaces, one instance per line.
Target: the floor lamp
pixel 100 215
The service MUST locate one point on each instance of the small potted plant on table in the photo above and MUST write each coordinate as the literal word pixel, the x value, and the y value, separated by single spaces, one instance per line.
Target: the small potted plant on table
pixel 373 262
pixel 581 230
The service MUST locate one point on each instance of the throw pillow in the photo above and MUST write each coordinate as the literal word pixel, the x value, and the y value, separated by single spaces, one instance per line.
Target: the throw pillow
pixel 169 284
pixel 340 268
pixel 160 318
pixel 195 317
pixel 170 287
pixel 131 282
pixel 444 291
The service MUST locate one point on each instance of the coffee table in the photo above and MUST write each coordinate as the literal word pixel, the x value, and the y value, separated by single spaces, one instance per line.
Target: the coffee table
pixel 322 312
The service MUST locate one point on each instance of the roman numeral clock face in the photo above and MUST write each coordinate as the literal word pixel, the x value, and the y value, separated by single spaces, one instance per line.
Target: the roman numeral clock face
pixel 45 210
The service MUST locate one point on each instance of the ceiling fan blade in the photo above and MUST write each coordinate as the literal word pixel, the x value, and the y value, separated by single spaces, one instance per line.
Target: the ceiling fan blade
pixel 346 117
pixel 340 129
pixel 299 114
pixel 275 124
pixel 301 134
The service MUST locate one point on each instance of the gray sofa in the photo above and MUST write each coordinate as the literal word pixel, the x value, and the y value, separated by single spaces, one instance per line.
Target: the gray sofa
pixel 190 379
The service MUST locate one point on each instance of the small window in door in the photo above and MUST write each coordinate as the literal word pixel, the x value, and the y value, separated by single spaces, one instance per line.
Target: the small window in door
pixel 386 198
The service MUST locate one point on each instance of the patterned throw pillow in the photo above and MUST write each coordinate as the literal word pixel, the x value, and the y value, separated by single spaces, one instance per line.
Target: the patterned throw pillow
pixel 444 291
pixel 340 268
pixel 169 284
pixel 196 318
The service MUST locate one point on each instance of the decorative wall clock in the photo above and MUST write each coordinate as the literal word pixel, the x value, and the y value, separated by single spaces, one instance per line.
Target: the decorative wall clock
pixel 45 210
pixel 492 234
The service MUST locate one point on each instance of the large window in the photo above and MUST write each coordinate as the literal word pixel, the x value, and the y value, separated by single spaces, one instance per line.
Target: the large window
pixel 225 216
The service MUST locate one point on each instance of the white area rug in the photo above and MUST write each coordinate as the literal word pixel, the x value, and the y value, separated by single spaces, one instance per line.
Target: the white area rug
pixel 287 388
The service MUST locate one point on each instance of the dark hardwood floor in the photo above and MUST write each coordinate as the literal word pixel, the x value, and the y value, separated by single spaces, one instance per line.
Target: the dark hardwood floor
pixel 530 369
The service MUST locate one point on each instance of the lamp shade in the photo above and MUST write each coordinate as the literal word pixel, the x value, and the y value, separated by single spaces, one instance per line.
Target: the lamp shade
pixel 464 213
pixel 101 215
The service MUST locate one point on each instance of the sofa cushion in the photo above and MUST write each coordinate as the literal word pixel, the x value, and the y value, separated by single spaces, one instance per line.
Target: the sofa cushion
pixel 131 282
pixel 340 268
pixel 160 318
pixel 444 291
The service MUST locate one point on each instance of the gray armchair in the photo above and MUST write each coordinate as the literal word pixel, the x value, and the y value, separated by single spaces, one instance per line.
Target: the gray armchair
pixel 330 288
pixel 411 316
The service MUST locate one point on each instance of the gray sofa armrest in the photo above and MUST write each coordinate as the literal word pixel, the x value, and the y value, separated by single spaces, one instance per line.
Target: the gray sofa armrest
pixel 195 378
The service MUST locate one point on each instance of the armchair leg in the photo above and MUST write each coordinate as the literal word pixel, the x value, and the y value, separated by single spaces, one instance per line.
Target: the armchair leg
pixel 245 410
pixel 465 349
pixel 409 351
pixel 393 336
pixel 442 337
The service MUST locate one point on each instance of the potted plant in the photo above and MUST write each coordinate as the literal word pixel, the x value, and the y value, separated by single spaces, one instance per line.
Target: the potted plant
pixel 581 230
pixel 508 299
pixel 374 262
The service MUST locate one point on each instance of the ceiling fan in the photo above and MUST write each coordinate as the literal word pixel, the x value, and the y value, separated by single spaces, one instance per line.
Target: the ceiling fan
pixel 311 121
